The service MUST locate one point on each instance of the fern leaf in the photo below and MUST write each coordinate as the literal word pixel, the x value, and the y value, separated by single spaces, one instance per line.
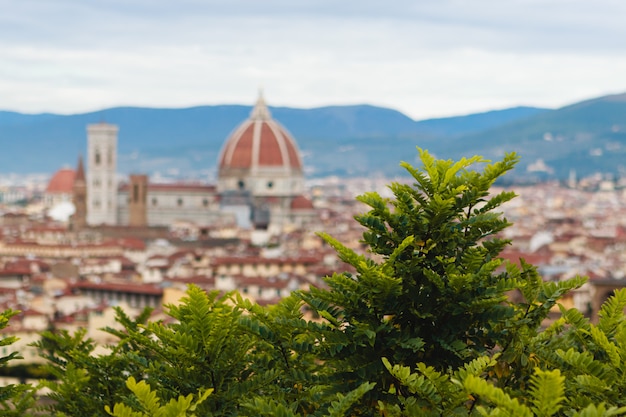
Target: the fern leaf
pixel 343 403
pixel 600 339
pixel 547 392
pixel 611 313
pixel 476 367
pixel 600 410
pixel 503 402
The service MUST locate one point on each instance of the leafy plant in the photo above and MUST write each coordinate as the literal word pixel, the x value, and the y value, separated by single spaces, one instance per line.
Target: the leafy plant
pixel 434 290
pixel 151 406
pixel 85 382
pixel 431 323
pixel 15 399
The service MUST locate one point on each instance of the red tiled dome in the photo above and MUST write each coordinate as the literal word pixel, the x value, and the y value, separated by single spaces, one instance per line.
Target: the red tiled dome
pixel 62 182
pixel 260 142
pixel 301 203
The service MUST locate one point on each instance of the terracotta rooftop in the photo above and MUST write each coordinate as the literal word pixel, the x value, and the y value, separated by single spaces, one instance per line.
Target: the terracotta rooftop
pixel 301 203
pixel 117 287
pixel 62 182
pixel 251 260
pixel 175 187
pixel 132 243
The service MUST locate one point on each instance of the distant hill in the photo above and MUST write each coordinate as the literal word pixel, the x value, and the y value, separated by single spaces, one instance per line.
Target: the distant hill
pixel 9 118
pixel 478 122
pixel 340 140
pixel 586 137
pixel 589 136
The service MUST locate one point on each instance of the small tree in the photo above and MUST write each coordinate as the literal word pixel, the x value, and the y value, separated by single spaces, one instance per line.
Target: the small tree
pixel 439 295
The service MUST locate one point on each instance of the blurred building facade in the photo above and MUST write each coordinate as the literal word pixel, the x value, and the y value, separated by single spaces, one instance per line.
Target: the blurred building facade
pixel 101 174
pixel 260 183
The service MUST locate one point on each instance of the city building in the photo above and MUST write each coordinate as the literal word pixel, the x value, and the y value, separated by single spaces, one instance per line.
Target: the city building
pixel 141 203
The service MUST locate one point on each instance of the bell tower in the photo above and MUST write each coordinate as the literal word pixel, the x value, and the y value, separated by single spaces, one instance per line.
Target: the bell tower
pixel 101 171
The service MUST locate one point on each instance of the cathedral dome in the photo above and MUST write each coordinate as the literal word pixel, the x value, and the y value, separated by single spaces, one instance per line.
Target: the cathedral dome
pixel 62 182
pixel 260 144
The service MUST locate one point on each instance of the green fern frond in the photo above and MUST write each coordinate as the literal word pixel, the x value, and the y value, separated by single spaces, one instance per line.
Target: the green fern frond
pixel 611 313
pixel 576 319
pixel 492 172
pixel 151 405
pixel 583 362
pixel 602 341
pixel 592 385
pixel 496 201
pixel 423 383
pixel 376 202
pixel 269 408
pixel 345 254
pixel 340 406
pixel 504 404
pixel 476 367
pixel 547 389
pixel 600 410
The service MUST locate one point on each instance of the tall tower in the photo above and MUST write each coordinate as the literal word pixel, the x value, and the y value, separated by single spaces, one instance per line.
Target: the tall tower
pixel 137 209
pixel 79 197
pixel 101 167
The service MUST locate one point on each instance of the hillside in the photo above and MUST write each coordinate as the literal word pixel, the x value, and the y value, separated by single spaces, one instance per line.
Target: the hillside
pixel 588 136
pixel 342 140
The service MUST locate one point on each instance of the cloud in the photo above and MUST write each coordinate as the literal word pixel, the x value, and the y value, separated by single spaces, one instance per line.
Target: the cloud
pixel 425 58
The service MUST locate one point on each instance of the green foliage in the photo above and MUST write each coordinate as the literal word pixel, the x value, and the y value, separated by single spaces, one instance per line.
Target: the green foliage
pixel 15 400
pixel 426 392
pixel 204 348
pixel 6 341
pixel 600 411
pixel 435 291
pixel 592 357
pixel 425 326
pixel 344 403
pixel 268 407
pixel 282 362
pixel 151 406
pixel 546 392
pixel 504 404
pixel 83 381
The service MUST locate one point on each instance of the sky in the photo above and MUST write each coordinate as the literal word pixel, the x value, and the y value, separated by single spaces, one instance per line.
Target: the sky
pixel 425 58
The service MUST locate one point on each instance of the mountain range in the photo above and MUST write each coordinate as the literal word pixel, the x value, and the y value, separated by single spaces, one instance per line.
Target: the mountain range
pixel 357 140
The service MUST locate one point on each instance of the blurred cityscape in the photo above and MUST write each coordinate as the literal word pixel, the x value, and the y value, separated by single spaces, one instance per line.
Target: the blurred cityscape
pixel 75 244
